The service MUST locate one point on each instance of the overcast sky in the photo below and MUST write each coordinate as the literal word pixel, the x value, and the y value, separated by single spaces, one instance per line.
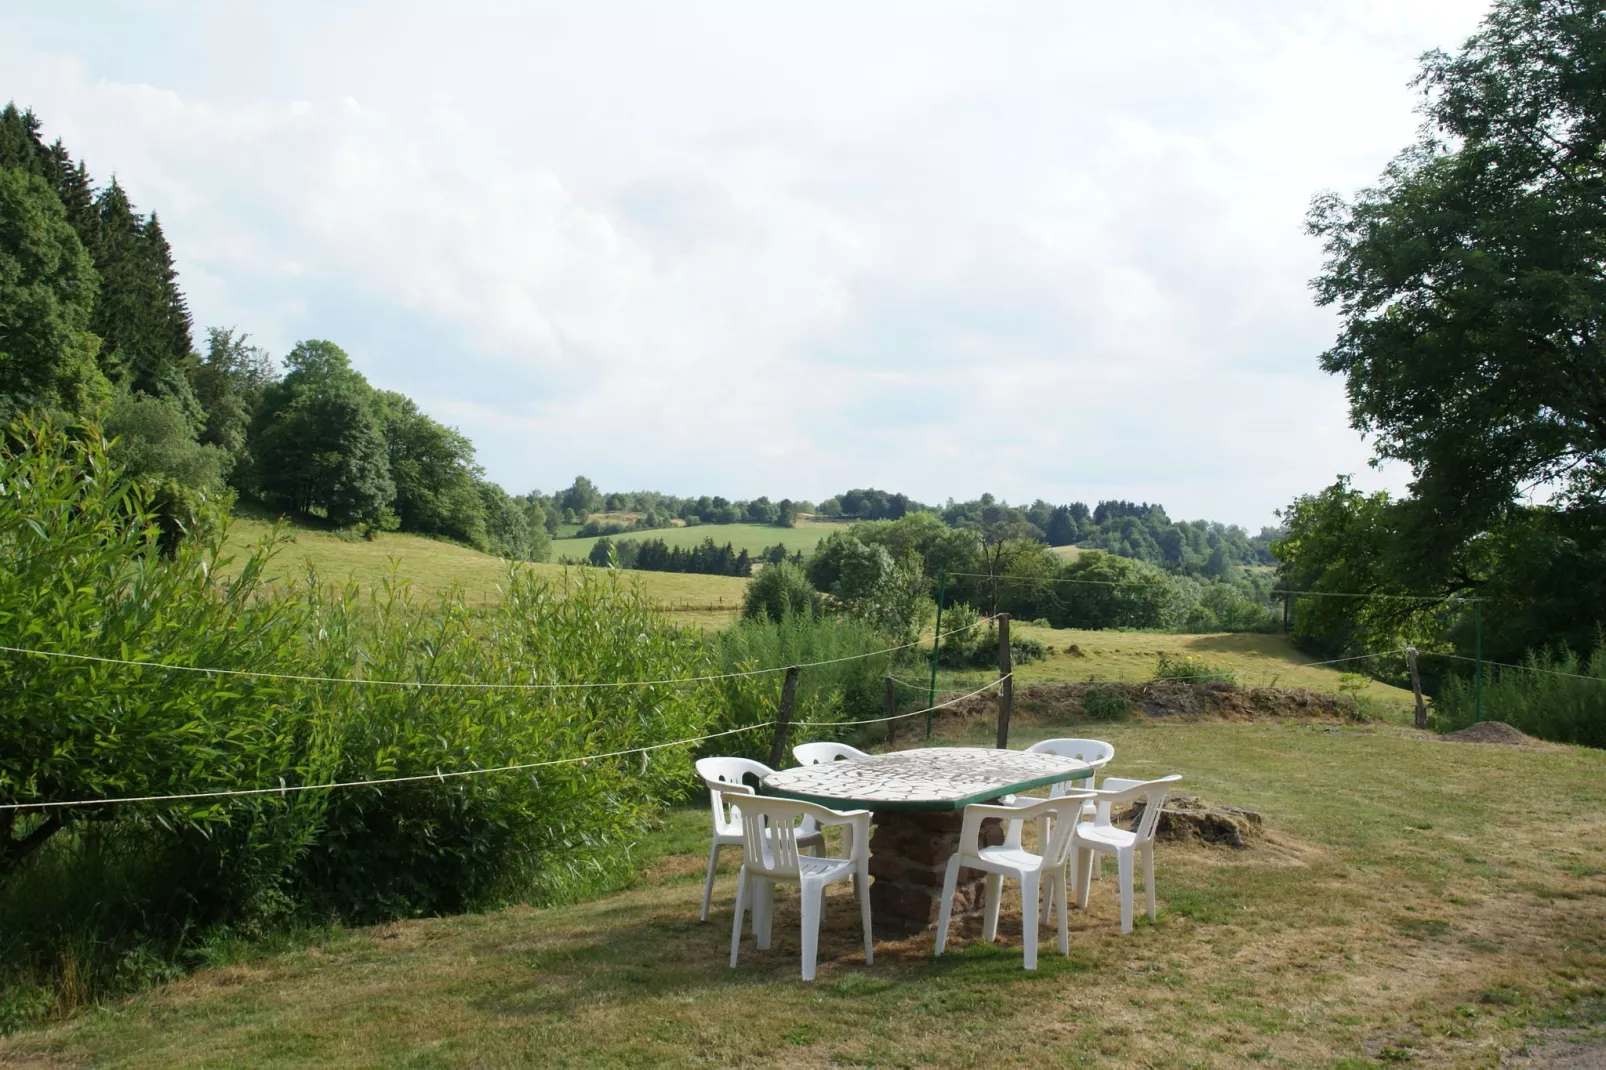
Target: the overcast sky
pixel 1046 250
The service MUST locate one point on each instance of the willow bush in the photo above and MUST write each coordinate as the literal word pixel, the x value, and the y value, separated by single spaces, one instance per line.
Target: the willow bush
pixel 103 897
pixel 850 688
pixel 1559 697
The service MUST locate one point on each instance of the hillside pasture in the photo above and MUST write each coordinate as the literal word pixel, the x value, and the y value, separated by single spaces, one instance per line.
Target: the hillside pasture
pixel 1412 901
pixel 750 537
pixel 432 566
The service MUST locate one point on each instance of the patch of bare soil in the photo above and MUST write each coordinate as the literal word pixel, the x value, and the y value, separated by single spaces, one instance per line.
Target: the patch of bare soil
pixel 1492 732
pixel 1176 699
pixel 1558 1050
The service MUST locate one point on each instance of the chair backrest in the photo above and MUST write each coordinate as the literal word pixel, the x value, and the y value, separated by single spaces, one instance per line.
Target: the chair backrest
pixel 1118 792
pixel 822 753
pixel 1094 752
pixel 724 777
pixel 1065 810
pixel 770 829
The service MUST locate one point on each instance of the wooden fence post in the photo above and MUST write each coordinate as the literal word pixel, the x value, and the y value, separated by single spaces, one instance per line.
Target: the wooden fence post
pixel 1006 690
pixel 892 711
pixel 783 717
pixel 1416 688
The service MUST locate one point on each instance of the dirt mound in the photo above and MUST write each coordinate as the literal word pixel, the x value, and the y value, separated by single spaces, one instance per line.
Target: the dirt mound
pixel 1178 699
pixel 1189 818
pixel 1491 732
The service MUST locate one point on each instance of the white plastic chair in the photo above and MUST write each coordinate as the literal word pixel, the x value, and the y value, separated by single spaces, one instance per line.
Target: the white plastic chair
pixel 724 779
pixel 1093 752
pixel 1101 836
pixel 771 851
pixel 1012 860
pixel 822 753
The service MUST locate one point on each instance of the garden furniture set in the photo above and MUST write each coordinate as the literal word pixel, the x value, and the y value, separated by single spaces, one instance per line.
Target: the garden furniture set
pixel 948 829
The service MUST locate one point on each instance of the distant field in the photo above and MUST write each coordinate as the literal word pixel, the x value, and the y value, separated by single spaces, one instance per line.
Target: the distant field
pixel 434 566
pixel 1258 660
pixel 1068 553
pixel 749 537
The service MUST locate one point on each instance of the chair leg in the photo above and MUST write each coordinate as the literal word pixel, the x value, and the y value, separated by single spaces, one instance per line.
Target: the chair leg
pixel 811 896
pixel 863 875
pixel 1148 878
pixel 1084 875
pixel 993 900
pixel 736 926
pixel 1029 886
pixel 763 894
pixel 1123 863
pixel 708 885
pixel 945 909
pixel 1065 934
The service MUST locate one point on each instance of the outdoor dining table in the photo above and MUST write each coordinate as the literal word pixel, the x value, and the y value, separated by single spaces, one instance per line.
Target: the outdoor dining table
pixel 918 797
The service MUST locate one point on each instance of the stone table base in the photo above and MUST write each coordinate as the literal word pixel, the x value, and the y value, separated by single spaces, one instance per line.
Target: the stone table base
pixel 909 854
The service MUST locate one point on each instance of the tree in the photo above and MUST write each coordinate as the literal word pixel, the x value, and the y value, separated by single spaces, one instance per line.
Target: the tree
pixel 140 317
pixel 1469 281
pixel 1060 529
pixel 320 443
pixel 229 382
pixel 47 294
pixel 153 445
pixel 779 590
pixel 581 497
pixel 432 466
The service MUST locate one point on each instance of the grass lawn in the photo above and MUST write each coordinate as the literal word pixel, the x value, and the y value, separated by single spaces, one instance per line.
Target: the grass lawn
pixel 749 537
pixel 433 565
pixel 1414 901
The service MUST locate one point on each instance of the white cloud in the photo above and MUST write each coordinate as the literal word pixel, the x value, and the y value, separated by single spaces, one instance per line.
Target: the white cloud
pixel 1038 250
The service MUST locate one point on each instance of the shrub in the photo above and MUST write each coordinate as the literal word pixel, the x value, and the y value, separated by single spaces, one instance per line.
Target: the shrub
pixel 1565 709
pixel 780 590
pixel 112 892
pixel 1193 670
pixel 843 691
pixel 1106 702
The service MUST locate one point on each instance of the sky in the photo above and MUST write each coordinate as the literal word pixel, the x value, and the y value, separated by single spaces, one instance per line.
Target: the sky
pixel 1047 250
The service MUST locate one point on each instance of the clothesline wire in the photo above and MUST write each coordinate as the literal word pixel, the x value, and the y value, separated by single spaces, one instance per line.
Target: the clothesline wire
pixel 469 685
pixel 287 789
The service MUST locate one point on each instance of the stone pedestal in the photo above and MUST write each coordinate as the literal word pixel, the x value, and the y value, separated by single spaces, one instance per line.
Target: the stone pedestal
pixel 909 855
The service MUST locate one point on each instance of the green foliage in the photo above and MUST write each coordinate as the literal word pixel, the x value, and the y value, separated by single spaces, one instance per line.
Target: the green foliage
pixel 116 889
pixel 228 383
pixel 780 591
pixel 432 467
pixel 1560 697
pixel 47 294
pixel 1191 669
pixel 866 582
pixel 320 443
pixel 508 527
pixel 1106 702
pixel 843 691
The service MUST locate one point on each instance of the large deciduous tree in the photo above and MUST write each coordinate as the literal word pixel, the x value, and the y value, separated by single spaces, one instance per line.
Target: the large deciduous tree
pixel 1471 288
pixel 320 445
pixel 1471 281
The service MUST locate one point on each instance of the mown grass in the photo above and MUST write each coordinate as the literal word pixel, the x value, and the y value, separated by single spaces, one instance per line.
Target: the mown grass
pixel 1414 901
pixel 432 565
pixel 750 537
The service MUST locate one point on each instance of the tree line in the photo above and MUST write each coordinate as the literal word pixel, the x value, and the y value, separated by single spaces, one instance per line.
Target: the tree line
pixel 93 325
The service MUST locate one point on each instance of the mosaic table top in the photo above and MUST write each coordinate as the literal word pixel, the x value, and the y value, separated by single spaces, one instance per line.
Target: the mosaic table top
pixel 928 778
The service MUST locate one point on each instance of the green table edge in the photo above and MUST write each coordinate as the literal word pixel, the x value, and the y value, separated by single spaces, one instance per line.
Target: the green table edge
pixel 837 802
